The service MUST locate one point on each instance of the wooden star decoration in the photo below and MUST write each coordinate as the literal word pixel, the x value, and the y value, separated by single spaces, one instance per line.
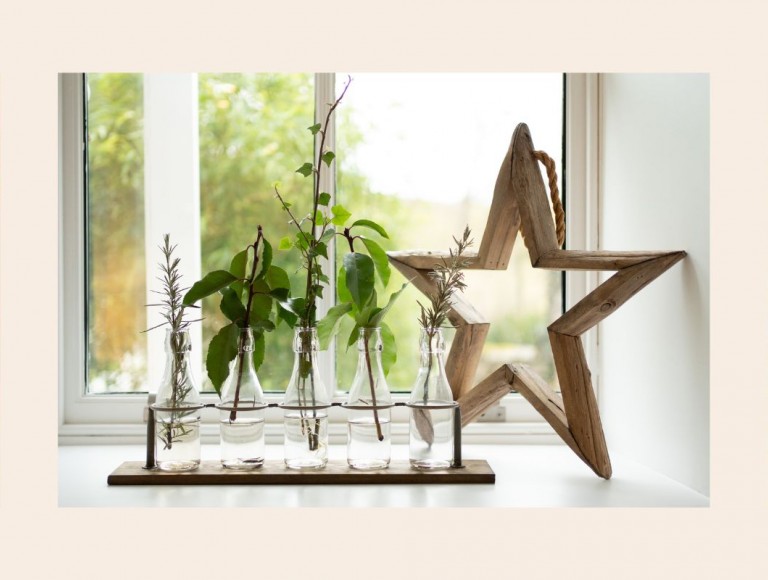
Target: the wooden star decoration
pixel 520 205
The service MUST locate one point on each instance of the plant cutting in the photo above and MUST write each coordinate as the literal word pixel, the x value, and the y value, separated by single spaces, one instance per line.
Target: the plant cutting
pixel 431 429
pixel 177 418
pixel 306 398
pixel 358 299
pixel 249 290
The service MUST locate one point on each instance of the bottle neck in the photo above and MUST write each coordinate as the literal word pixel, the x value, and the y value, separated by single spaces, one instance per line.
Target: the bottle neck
pixel 177 387
pixel 369 348
pixel 431 344
pixel 305 341
pixel 245 346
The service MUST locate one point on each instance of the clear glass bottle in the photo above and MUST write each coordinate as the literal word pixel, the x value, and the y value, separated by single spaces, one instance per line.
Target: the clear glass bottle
pixel 177 409
pixel 242 411
pixel 305 407
pixel 431 407
pixel 368 440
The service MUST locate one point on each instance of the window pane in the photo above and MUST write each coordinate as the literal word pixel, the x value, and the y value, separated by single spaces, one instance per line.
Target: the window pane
pixel 253 132
pixel 115 234
pixel 420 153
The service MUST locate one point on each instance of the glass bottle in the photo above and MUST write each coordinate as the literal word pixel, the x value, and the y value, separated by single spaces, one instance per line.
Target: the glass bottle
pixel 431 407
pixel 177 409
pixel 305 407
pixel 241 411
pixel 369 441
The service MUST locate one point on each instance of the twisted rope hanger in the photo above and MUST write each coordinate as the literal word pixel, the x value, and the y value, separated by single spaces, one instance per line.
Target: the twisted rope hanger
pixel 554 194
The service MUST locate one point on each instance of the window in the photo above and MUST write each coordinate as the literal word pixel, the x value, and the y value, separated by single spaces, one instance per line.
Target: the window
pixel 196 155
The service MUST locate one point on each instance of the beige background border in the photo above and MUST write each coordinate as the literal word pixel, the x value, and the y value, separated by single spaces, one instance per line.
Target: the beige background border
pixel 726 39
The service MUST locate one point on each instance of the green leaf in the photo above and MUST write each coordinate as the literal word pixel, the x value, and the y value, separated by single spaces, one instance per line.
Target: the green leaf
pixel 231 306
pixel 278 278
pixel 221 351
pixel 305 170
pixel 286 243
pixel 353 336
pixel 324 199
pixel 328 157
pixel 266 259
pixel 262 326
pixel 326 237
pixel 301 240
pixel 210 284
pixel 319 218
pixel 286 315
pixel 320 249
pixel 315 128
pixel 369 310
pixel 340 215
pixel 359 277
pixel 341 287
pixel 380 260
pixel 329 325
pixel 279 294
pixel 259 348
pixel 371 226
pixel 389 352
pixel 376 319
pixel 261 305
pixel 237 269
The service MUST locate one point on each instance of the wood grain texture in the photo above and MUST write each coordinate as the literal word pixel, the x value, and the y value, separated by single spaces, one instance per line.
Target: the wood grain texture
pixel 596 260
pixel 503 220
pixel 611 294
pixel 275 473
pixel 428 259
pixel 486 394
pixel 546 401
pixel 528 188
pixel 580 402
pixel 464 357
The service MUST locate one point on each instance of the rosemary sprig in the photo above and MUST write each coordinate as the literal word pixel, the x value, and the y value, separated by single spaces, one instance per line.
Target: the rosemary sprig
pixel 448 277
pixel 173 311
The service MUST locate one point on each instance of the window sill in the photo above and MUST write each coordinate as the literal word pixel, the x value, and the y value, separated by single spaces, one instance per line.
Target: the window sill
pixel 526 476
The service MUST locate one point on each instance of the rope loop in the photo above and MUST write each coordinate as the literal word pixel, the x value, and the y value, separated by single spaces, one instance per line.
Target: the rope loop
pixel 554 194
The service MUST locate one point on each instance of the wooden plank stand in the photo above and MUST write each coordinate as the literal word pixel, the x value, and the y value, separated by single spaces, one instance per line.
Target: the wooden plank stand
pixel 276 473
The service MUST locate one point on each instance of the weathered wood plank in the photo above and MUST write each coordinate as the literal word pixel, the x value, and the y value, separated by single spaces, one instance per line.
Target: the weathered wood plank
pixel 537 223
pixel 546 401
pixel 428 259
pixel 464 357
pixel 274 472
pixel 485 394
pixel 503 220
pixel 580 402
pixel 595 260
pixel 613 293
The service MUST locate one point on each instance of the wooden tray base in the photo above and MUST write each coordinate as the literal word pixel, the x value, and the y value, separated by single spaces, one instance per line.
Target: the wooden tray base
pixel 274 472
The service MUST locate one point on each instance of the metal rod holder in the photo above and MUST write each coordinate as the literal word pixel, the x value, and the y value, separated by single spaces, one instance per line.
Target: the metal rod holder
pixel 151 463
pixel 457 438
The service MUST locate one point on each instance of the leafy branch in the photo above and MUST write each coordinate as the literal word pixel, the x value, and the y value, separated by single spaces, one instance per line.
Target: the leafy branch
pixel 265 286
pixel 358 299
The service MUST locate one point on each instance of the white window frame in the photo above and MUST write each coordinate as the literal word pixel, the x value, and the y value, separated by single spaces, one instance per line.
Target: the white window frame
pixel 119 418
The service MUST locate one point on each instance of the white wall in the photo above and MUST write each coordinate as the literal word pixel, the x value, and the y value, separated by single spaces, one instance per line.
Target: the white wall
pixel 654 195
